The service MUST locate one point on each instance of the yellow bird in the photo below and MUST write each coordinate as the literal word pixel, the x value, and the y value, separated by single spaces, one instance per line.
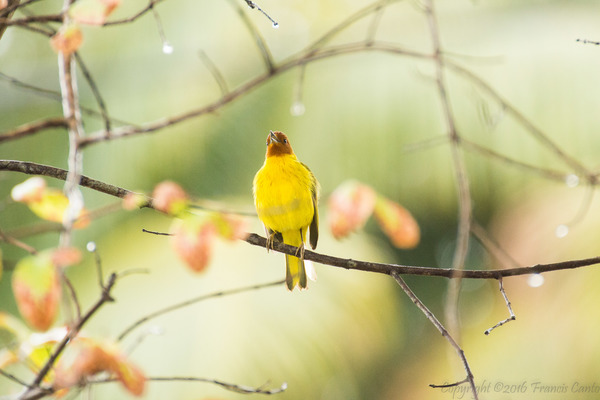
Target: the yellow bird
pixel 286 194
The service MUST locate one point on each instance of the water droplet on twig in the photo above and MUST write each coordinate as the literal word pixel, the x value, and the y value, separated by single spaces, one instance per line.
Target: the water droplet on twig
pixel 167 48
pixel 535 280
pixel 297 109
pixel 91 247
pixel 572 180
pixel 561 231
pixel 275 25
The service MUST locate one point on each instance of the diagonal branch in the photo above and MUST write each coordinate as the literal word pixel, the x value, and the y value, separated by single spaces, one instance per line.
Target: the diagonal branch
pixel 195 300
pixel 32 127
pixel 33 392
pixel 461 354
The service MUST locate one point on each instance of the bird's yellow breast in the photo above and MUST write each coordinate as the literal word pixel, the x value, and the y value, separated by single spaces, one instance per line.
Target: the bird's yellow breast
pixel 282 194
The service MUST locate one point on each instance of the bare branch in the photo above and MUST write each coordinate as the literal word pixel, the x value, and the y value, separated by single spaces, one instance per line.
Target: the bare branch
pixel 214 71
pixel 6 14
pixel 95 91
pixel 491 154
pixel 16 242
pixel 195 300
pixel 253 5
pixel 58 173
pixel 31 128
pixel 13 378
pixel 260 41
pixel 388 269
pixel 586 41
pixel 461 354
pixel 460 171
pixel 257 240
pixel 533 130
pixel 228 386
pixel 32 393
pixel 512 316
pixel 137 15
pixel 243 89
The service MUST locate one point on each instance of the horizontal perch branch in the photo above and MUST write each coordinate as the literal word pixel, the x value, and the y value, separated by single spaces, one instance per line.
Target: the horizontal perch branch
pixel 254 239
pixel 390 269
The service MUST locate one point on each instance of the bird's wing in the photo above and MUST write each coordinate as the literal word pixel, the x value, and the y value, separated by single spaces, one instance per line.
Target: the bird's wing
pixel 314 224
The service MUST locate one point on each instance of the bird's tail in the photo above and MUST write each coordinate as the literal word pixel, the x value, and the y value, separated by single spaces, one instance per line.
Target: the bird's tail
pixel 295 272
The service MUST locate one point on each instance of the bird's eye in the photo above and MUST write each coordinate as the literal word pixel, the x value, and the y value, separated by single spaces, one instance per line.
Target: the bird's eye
pixel 284 141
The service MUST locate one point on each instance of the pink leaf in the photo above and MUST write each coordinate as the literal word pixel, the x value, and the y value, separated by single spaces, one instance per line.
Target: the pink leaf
pixel 350 205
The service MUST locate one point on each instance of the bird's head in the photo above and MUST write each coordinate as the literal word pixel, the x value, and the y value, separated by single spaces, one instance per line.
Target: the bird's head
pixel 278 144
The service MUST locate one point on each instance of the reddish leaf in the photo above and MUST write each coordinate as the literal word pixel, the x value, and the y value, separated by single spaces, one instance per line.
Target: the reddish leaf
pixel 67 40
pixel 37 290
pixel 397 223
pixel 229 226
pixel 92 12
pixel 193 241
pixel 93 357
pixel 47 203
pixel 111 5
pixel 133 201
pixel 66 256
pixel 350 205
pixel 170 198
pixel 130 376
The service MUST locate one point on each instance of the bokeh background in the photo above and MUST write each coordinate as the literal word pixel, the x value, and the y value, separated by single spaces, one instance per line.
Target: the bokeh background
pixel 368 116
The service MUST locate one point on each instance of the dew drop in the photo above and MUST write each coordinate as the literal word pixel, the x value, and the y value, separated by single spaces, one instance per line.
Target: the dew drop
pixel 91 247
pixel 167 48
pixel 275 25
pixel 561 231
pixel 535 280
pixel 572 180
pixel 297 109
pixel 155 330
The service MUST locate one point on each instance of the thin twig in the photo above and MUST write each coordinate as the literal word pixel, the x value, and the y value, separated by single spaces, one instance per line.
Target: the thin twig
pixel 585 41
pixel 127 131
pixel 260 41
pixel 135 16
pixel 13 378
pixel 253 5
pixel 194 300
pixel 492 246
pixel 461 354
pixel 491 154
pixel 460 172
pixel 95 91
pixel 532 129
pixel 510 310
pixel 16 242
pixel 31 128
pixel 104 297
pixel 73 294
pixel 214 71
pixel 157 233
pixel 54 95
pixel 228 386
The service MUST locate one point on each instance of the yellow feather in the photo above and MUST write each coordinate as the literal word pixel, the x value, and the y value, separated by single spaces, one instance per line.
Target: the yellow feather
pixel 286 195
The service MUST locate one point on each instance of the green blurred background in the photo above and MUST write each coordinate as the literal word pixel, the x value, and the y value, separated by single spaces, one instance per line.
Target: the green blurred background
pixel 368 116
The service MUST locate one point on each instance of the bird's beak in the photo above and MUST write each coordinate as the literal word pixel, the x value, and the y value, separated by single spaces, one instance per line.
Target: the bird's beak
pixel 273 137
